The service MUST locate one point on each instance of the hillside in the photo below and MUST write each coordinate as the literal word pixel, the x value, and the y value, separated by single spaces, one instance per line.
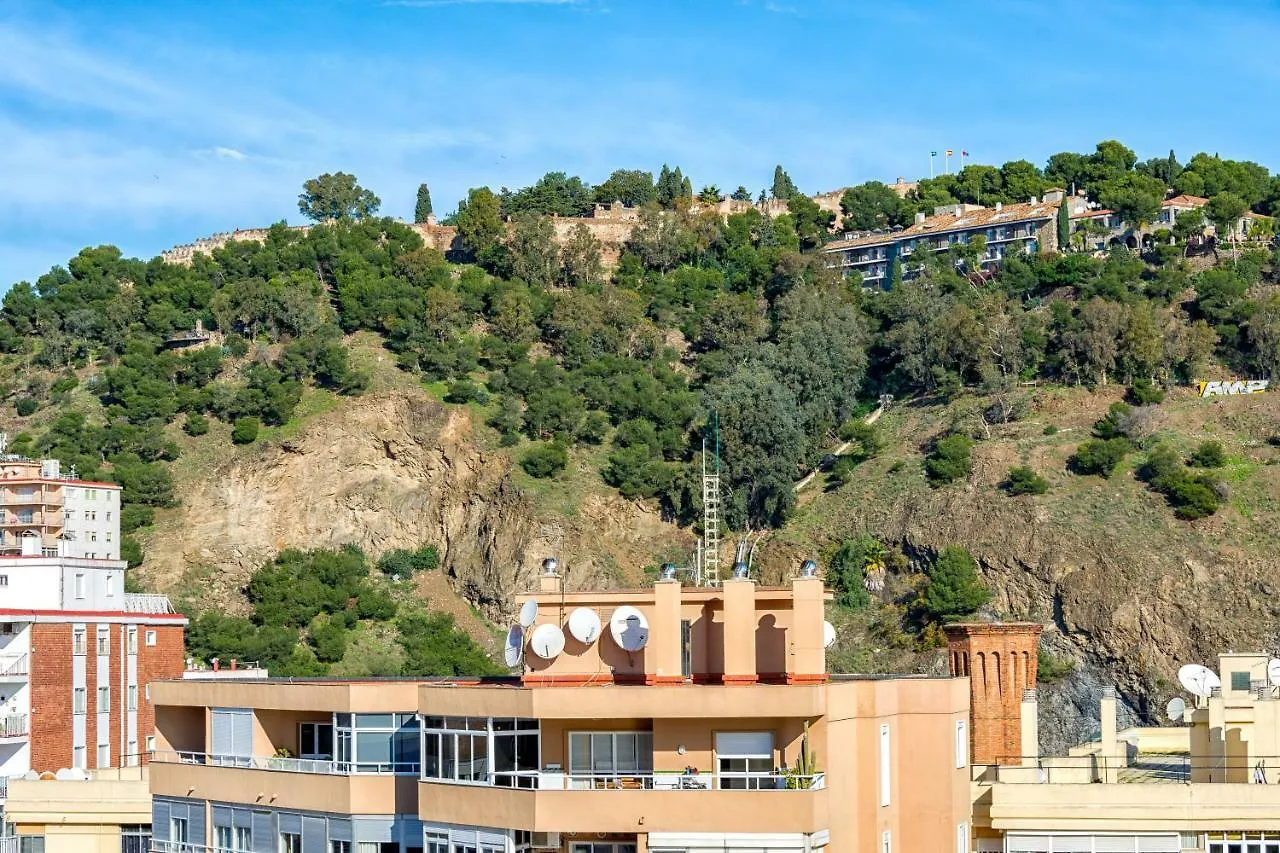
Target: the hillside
pixel 347 385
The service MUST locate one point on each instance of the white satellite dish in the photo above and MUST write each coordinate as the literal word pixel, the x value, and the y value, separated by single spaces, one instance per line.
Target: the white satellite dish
pixel 629 628
pixel 1175 709
pixel 528 613
pixel 584 625
pixel 1273 672
pixel 1198 680
pixel 828 635
pixel 514 650
pixel 547 641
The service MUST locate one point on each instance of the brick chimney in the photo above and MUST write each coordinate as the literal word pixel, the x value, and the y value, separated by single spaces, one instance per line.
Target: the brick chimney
pixel 999 659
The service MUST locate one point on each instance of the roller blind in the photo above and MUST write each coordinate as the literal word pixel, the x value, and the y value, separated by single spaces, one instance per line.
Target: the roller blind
pixel 233 732
pixel 744 743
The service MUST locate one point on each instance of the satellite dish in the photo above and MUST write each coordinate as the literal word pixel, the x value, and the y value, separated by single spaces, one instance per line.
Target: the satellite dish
pixel 514 650
pixel 828 635
pixel 528 613
pixel 547 641
pixel 1198 680
pixel 584 625
pixel 629 628
pixel 1273 672
pixel 1175 709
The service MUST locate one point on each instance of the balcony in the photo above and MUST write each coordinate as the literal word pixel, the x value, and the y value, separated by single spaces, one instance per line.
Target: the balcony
pixel 13 668
pixel 658 802
pixel 284 783
pixel 150 604
pixel 14 727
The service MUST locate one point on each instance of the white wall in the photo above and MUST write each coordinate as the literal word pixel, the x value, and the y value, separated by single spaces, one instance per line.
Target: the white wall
pixel 92 519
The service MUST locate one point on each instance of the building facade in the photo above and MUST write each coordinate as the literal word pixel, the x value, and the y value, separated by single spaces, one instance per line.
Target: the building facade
pixel 705 722
pixel 76 651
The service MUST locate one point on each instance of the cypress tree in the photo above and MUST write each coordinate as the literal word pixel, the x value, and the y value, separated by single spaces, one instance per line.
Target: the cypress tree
pixel 422 209
pixel 1064 226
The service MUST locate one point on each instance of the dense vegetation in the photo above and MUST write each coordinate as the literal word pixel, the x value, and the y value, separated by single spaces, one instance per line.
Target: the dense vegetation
pixel 737 315
pixel 306 606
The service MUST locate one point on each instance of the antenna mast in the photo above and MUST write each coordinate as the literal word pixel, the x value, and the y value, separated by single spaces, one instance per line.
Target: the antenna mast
pixel 710 563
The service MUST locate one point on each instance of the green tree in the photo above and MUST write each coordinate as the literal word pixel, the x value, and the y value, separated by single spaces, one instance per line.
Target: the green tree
pixel 954 590
pixel 534 257
pixel 845 572
pixel 544 460
pixel 1209 455
pixel 950 460
pixel 422 209
pixel 1064 226
pixel 405 562
pixel 710 194
pixel 741 194
pixel 580 259
pixel 870 206
pixel 783 188
pixel 479 220
pixel 1224 211
pixel 1100 456
pixel 245 430
pixel 195 424
pixel 632 187
pixel 433 646
pixel 1135 198
pixel 336 196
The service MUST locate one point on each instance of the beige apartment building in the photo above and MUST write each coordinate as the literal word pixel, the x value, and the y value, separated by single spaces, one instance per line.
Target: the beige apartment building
pixel 665 719
pixel 98 811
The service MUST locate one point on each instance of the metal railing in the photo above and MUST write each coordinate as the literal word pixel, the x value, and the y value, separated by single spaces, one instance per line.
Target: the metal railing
pixel 145 603
pixel 14 725
pixel 158 846
pixel 322 766
pixel 1143 768
pixel 13 665
pixel 670 781
pixel 4 788
pixel 9 844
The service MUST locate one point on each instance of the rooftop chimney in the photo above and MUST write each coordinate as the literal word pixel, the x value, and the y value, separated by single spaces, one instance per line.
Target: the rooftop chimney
pixel 662 663
pixel 739 629
pixel 919 216
pixel 807 657
pixel 999 205
pixel 550 579
pixel 1000 660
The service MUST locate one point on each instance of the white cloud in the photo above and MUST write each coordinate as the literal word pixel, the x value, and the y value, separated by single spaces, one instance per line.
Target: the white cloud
pixel 229 153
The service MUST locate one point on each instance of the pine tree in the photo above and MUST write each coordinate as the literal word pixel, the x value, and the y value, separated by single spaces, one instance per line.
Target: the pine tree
pixel 1064 225
pixel 422 210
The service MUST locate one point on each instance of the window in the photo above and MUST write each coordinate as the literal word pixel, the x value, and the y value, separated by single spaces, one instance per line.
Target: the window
pixel 437 842
pixel 133 697
pixel 93 536
pixel 131 754
pixel 597 847
pixel 4 580
pixel 104 699
pixel 686 648
pixel 78 700
pixel 1239 681
pixel 607 759
pixel 151 638
pixel 151 743
pixel 886 842
pixel 131 640
pixel 30 844
pixel 111 585
pixel 345 847
pixel 379 743
pixel 135 838
pixel 108 535
pixel 222 838
pixel 104 641
pixel 104 755
pixel 315 740
pixel 78 758
pixel 744 760
pixel 178 830
pixel 80 585
pixel 516 751
pixel 232 741
pixel 962 743
pixel 290 842
pixel 962 838
pixel 884 767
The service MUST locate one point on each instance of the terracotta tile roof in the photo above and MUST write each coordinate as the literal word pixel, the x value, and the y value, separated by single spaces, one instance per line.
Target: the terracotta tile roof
pixel 1185 201
pixel 1090 214
pixel 980 217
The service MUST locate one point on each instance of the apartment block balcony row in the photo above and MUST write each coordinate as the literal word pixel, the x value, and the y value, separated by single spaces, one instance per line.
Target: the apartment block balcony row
pixel 14 727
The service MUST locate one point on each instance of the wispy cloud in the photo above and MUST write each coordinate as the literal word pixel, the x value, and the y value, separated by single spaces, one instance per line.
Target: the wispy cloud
pixel 427 4
pixel 229 153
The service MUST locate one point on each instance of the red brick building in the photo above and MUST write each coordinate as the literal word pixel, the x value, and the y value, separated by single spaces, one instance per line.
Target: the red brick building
pixel 999 659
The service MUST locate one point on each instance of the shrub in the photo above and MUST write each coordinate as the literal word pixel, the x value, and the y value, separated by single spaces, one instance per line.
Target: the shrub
pixel 1114 423
pixel 245 430
pixel 195 424
pixel 1144 392
pixel 434 646
pixel 845 572
pixel 1022 480
pixel 865 440
pixel 1050 669
pixel 1100 457
pixel 26 406
pixel 465 391
pixel 1193 498
pixel 329 640
pixel 404 562
pixel 950 460
pixel 131 551
pixel 63 384
pixel 544 460
pixel 1050 430
pixel 954 589
pixel 1208 455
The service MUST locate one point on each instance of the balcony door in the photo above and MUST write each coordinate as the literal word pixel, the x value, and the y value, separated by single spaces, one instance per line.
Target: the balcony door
pixel 232 737
pixel 744 760
pixel 610 759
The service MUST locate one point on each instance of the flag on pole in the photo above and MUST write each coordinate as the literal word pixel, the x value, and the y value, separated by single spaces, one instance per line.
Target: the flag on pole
pixel 949 152
pixel 933 153
pixel 964 153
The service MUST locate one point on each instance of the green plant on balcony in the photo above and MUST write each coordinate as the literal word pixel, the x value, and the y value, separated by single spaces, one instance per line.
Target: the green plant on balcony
pixel 801 776
pixel 278 760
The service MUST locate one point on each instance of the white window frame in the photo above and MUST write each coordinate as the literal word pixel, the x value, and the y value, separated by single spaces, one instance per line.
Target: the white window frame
pixel 131 640
pixel 79 700
pixel 962 743
pixel 78 758
pixel 133 698
pixel 886 842
pixel 78 640
pixel 80 585
pixel 962 837
pixel 111 585
pixel 104 698
pixel 609 776
pixel 104 755
pixel 104 641
pixel 151 638
pixel 886 766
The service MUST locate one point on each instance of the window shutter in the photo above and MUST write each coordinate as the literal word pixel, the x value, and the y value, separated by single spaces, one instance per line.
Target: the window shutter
pixel 264 837
pixel 1084 844
pixel 160 815
pixel 291 823
pixel 1159 844
pixel 339 830
pixel 195 823
pixel 223 816
pixel 313 835
pixel 744 743
pixel 242 740
pixel 1028 844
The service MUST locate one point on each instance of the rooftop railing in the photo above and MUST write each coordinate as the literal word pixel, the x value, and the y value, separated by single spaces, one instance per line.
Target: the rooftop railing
pixel 1144 768
pixel 145 603
pixel 14 726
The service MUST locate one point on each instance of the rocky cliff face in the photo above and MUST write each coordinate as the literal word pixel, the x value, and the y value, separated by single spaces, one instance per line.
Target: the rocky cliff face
pixel 392 470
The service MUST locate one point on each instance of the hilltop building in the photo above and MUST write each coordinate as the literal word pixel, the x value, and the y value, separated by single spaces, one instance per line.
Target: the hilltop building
pixel 692 719
pixel 76 651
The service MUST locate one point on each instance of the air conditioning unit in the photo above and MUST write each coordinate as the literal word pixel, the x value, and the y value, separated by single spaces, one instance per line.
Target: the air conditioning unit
pixel 546 840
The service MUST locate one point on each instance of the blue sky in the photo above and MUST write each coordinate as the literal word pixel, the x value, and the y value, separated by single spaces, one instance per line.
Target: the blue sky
pixel 145 124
